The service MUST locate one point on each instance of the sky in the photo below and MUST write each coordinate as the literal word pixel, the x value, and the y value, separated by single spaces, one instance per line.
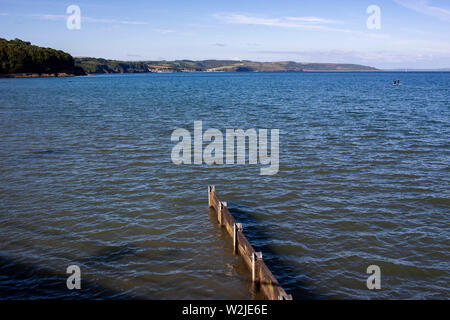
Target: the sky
pixel 412 34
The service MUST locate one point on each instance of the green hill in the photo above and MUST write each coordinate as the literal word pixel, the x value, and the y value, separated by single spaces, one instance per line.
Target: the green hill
pixel 95 65
pixel 17 56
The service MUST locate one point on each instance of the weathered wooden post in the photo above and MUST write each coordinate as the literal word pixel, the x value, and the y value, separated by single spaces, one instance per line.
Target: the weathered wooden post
pixel 256 266
pixel 222 206
pixel 211 190
pixel 237 227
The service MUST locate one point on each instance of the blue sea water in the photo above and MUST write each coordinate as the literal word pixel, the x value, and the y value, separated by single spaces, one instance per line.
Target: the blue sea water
pixel 86 178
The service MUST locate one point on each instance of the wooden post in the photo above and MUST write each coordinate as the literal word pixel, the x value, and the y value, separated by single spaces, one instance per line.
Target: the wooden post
pixel 259 260
pixel 211 190
pixel 253 268
pixel 222 206
pixel 236 228
pixel 256 266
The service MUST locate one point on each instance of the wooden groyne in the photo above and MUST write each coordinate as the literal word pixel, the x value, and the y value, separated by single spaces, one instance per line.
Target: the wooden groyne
pixel 261 275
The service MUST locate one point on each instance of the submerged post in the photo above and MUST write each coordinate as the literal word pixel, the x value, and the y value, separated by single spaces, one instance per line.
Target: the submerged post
pixel 237 227
pixel 256 266
pixel 222 206
pixel 211 190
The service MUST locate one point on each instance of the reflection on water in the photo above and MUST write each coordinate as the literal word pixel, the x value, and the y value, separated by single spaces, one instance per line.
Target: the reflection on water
pixel 86 178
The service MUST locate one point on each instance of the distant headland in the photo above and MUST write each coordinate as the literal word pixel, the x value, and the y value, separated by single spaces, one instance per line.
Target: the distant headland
pixel 22 59
pixel 95 65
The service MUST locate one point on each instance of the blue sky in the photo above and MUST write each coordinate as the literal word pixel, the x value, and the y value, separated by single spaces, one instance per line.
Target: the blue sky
pixel 413 33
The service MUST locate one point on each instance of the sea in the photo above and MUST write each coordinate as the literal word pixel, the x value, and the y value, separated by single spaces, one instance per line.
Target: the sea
pixel 87 179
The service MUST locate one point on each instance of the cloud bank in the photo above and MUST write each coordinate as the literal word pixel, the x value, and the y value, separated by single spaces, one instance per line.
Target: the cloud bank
pixel 424 7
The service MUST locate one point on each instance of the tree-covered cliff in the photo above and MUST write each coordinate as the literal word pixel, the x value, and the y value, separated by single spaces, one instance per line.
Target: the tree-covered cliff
pixel 17 56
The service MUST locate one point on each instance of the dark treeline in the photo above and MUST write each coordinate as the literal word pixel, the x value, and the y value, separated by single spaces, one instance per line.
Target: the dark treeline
pixel 98 65
pixel 17 56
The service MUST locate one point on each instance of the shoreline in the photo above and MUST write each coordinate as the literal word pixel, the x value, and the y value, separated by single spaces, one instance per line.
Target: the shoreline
pixel 39 75
pixel 63 74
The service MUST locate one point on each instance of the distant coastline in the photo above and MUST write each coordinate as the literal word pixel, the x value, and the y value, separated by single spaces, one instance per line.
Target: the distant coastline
pixel 21 59
pixel 99 66
pixel 61 75
pixel 37 75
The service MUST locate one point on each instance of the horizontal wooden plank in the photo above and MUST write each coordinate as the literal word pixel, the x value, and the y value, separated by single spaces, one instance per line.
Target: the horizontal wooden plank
pixel 245 249
pixel 269 284
pixel 228 221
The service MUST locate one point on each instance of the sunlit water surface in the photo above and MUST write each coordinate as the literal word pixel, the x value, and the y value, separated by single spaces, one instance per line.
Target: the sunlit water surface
pixel 86 178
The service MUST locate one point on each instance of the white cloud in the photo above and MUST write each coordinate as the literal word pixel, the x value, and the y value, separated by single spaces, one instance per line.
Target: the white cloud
pixel 173 32
pixel 424 7
pixel 165 31
pixel 96 20
pixel 86 19
pixel 382 36
pixel 315 20
pixel 306 23
pixel 47 16
pixel 371 57
pixel 287 22
pixel 235 18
